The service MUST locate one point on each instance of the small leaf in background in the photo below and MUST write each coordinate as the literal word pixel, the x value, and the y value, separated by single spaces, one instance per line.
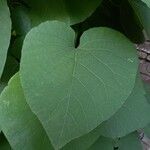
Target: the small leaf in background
pixel 129 142
pixel 130 23
pixel 132 115
pixel 73 90
pixel 20 126
pixel 143 13
pixel 5 33
pixel 20 19
pixel 69 11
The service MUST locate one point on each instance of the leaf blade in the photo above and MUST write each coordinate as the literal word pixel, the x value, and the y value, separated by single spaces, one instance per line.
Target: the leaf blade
pixel 131 116
pixel 19 124
pixel 5 24
pixel 61 84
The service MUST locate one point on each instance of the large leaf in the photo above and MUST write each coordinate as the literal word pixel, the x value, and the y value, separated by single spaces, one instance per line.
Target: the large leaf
pixel 72 90
pixel 143 13
pixel 5 33
pixel 19 124
pixel 26 14
pixel 132 116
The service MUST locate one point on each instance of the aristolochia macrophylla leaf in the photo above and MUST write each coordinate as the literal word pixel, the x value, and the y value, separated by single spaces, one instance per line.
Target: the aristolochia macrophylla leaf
pixel 20 126
pixel 73 90
pixel 5 33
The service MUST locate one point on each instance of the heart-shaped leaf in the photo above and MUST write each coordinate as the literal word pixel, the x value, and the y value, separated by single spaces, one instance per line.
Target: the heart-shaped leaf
pixel 21 127
pixel 73 90
pixel 5 33
pixel 132 115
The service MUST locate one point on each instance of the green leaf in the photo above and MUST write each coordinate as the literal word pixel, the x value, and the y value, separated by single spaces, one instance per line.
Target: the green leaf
pixel 5 33
pixel 4 145
pixel 147 130
pixel 19 124
pixel 132 115
pixel 130 142
pixel 147 2
pixel 69 11
pixel 143 13
pixel 103 144
pixel 73 90
pixel 84 142
pixel 20 20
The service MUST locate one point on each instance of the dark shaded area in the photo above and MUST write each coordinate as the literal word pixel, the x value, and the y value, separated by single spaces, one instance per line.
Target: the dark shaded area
pixel 4 145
